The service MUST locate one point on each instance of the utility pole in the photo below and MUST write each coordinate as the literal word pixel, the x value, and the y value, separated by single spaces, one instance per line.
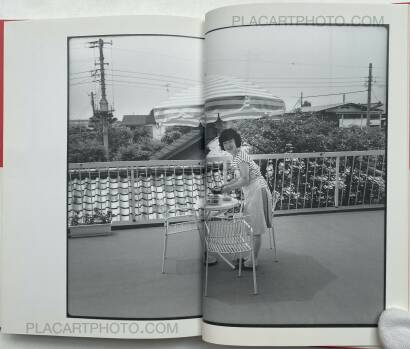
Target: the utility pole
pixel 92 102
pixel 103 110
pixel 344 98
pixel 369 94
pixel 301 99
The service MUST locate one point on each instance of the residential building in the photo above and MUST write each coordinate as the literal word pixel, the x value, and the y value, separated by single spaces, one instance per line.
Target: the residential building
pixel 347 114
pixel 146 122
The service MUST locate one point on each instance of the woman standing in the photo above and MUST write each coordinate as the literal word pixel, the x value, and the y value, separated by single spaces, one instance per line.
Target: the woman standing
pixel 257 196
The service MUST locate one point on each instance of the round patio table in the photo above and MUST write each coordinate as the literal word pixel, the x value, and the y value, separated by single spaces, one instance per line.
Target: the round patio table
pixel 221 206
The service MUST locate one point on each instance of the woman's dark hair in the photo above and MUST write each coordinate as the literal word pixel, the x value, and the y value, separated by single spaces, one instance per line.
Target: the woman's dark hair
pixel 227 135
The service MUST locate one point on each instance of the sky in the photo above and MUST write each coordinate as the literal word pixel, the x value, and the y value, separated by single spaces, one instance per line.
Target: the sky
pixel 143 71
pixel 313 60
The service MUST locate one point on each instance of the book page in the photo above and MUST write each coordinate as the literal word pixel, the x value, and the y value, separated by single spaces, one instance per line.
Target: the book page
pixel 98 175
pixel 308 108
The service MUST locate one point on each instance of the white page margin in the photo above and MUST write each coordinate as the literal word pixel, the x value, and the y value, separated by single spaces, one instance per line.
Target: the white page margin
pixel 33 254
pixel 397 266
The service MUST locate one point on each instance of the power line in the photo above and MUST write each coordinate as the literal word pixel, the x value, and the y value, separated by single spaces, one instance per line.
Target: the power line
pixel 145 83
pixel 148 78
pixel 80 77
pixel 82 83
pixel 313 82
pixel 320 85
pixel 297 102
pixel 83 79
pixel 335 94
pixel 375 96
pixel 315 86
pixel 81 72
pixel 153 74
pixel 294 63
pixel 184 82
pixel 116 81
pixel 312 77
pixel 135 78
pixel 136 85
pixel 151 53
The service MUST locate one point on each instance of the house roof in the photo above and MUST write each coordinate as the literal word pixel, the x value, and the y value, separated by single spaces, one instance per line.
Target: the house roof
pixel 182 143
pixel 360 106
pixel 138 120
pixel 317 108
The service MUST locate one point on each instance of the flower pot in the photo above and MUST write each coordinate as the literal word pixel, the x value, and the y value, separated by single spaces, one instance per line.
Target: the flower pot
pixel 89 230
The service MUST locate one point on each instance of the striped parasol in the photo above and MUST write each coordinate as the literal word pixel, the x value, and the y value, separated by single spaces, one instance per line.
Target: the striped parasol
pixel 183 109
pixel 232 98
pixel 223 97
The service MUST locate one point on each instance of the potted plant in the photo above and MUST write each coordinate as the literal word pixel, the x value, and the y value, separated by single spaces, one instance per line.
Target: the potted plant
pixel 95 224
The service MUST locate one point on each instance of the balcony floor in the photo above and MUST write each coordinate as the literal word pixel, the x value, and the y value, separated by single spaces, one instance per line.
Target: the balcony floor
pixel 330 271
pixel 120 275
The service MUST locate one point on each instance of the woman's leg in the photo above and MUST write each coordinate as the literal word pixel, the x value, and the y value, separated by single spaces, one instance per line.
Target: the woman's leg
pixel 254 211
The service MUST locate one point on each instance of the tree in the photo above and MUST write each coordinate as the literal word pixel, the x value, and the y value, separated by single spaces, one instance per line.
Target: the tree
pixel 311 181
pixel 140 135
pixel 119 136
pixel 87 151
pixel 137 151
pixel 85 145
pixel 308 135
pixel 97 119
pixel 131 152
pixel 171 136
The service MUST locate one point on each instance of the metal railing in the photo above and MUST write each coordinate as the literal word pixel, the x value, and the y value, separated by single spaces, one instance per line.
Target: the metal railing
pixel 146 190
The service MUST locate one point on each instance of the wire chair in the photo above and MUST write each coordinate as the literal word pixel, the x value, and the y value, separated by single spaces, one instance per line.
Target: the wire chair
pixel 272 239
pixel 179 225
pixel 229 237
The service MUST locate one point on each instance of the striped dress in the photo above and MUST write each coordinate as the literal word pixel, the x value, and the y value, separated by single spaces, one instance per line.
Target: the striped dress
pixel 254 170
pixel 257 197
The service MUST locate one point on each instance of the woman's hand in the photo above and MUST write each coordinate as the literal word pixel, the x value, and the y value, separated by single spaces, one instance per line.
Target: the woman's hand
pixel 224 189
pixel 243 179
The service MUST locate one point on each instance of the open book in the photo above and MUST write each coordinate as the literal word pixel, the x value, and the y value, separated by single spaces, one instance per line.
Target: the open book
pixel 244 178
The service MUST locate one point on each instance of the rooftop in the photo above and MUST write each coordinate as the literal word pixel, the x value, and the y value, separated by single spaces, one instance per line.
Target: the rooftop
pixel 329 107
pixel 138 120
pixel 182 143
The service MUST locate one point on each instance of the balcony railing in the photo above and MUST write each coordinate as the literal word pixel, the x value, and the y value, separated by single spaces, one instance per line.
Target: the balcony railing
pixel 146 190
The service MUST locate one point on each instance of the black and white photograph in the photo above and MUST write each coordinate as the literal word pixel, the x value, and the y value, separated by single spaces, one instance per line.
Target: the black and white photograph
pixel 269 171
pixel 132 174
pixel 263 176
pixel 296 222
